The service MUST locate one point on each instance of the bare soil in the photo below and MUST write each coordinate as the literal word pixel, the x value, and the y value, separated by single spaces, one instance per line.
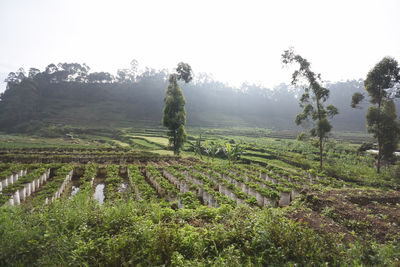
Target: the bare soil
pixel 352 213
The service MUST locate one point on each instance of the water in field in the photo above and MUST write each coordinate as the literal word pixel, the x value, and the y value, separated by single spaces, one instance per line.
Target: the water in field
pixel 74 186
pixel 98 184
pixel 99 193
pixel 74 190
pixel 374 151
pixel 123 187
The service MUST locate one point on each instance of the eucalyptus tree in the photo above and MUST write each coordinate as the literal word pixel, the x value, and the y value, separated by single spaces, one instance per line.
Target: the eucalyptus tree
pixel 174 113
pixel 312 100
pixel 381 85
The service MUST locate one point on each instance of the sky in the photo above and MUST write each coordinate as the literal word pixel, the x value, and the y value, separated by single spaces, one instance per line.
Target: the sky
pixel 235 41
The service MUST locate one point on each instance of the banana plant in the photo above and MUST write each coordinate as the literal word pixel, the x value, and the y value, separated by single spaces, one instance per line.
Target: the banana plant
pixel 233 153
pixel 197 147
pixel 212 149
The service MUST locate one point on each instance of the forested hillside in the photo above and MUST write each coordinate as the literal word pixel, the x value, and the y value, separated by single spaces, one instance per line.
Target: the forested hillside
pixel 69 94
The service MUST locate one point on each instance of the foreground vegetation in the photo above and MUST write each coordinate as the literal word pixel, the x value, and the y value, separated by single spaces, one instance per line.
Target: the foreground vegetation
pixel 128 232
pixel 268 206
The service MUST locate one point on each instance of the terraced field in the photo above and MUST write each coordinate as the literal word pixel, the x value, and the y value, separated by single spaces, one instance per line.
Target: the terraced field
pixel 182 183
pixel 107 205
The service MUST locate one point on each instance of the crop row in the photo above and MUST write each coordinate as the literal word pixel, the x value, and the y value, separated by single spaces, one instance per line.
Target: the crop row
pixel 11 176
pixel 84 159
pixel 61 150
pixel 113 182
pixel 86 180
pixel 207 188
pixel 272 189
pixel 55 187
pixel 187 185
pixel 142 190
pixel 189 190
pixel 238 187
pixel 71 153
pixel 244 186
pixel 25 186
pixel 162 186
pixel 307 178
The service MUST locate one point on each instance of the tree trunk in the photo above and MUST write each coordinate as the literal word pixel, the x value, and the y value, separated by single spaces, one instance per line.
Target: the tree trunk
pixel 175 140
pixel 378 167
pixel 319 134
pixel 320 154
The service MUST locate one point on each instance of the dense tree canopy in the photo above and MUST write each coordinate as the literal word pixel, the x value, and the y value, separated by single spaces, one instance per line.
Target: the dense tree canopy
pixel 77 101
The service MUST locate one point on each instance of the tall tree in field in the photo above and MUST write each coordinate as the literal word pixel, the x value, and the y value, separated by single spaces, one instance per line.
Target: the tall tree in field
pixel 381 115
pixel 174 117
pixel 313 99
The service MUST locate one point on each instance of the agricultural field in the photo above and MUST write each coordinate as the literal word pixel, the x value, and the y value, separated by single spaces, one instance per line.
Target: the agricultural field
pixel 126 200
pixel 200 134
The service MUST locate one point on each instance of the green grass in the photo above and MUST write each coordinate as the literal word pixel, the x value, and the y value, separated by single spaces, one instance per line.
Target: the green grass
pixel 122 144
pixel 164 152
pixel 25 142
pixel 129 232
pixel 145 144
pixel 161 141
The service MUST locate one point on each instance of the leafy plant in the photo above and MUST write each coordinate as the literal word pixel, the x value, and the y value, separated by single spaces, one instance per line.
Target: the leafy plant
pixel 197 147
pixel 212 149
pixel 233 152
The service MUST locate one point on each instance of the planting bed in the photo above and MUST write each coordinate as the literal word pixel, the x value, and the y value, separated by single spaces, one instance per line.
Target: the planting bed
pixel 185 184
pixel 122 208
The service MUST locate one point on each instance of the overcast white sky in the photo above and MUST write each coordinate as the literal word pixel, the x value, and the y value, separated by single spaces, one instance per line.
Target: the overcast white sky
pixel 236 41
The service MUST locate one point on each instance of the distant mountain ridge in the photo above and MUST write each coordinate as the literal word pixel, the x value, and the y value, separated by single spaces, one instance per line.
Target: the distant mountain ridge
pixel 49 97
